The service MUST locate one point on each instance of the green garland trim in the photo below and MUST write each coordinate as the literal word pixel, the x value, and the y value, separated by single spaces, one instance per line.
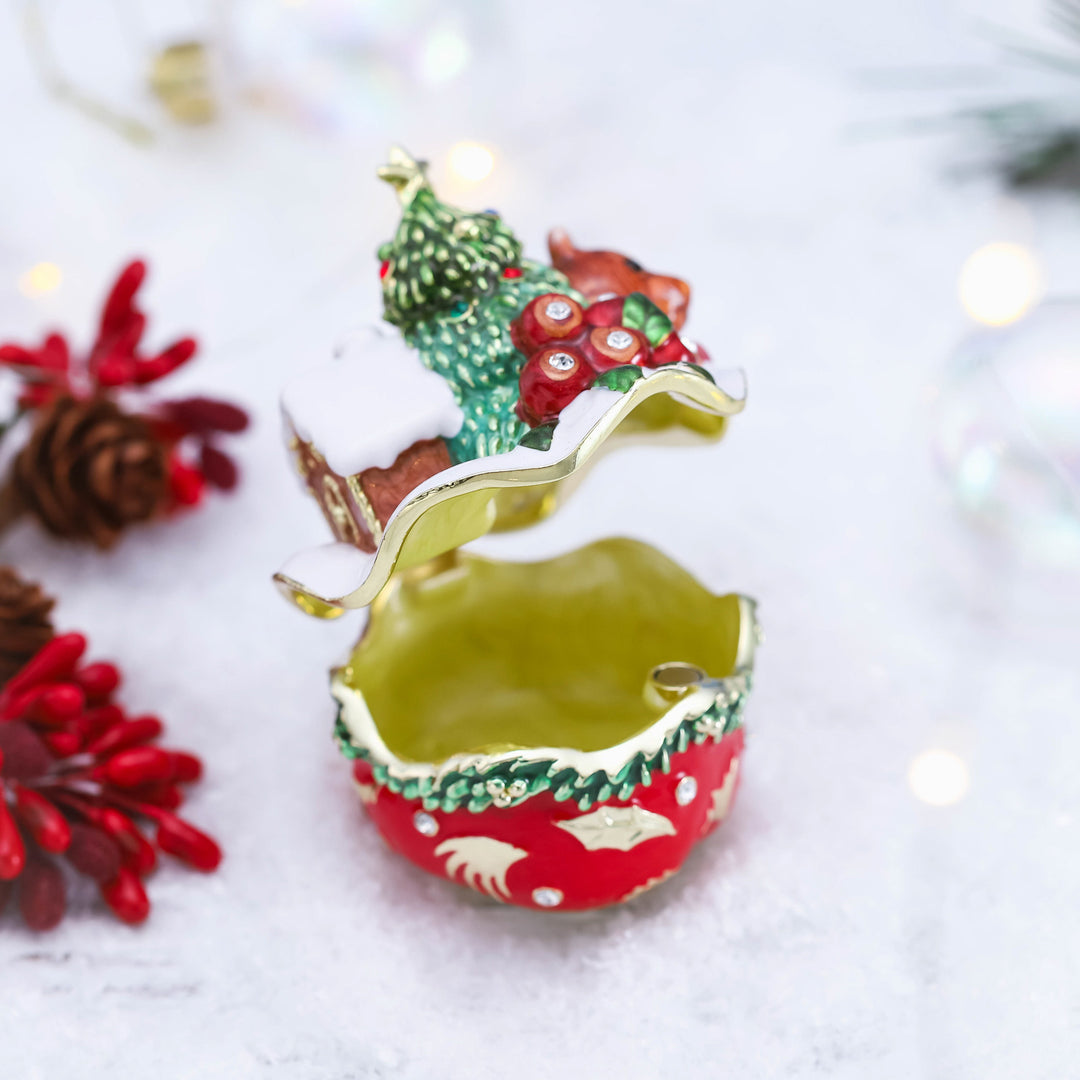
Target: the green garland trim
pixel 511 781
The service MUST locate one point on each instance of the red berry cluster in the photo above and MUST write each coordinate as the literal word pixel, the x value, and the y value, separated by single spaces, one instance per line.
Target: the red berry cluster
pixel 568 346
pixel 77 777
pixel 115 362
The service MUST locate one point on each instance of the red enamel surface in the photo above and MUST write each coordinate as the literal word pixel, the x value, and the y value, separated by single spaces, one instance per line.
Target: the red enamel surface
pixel 557 858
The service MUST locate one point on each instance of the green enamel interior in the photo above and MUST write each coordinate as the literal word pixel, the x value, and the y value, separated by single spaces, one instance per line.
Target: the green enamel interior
pixel 473 655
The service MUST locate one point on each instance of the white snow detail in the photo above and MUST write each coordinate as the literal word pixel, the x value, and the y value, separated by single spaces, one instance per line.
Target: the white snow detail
pixel 371 403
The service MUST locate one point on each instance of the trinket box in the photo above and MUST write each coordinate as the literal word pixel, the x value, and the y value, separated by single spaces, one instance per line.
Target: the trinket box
pixel 555 734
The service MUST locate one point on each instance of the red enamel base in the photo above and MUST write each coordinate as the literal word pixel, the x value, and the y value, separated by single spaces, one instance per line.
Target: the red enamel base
pixel 523 855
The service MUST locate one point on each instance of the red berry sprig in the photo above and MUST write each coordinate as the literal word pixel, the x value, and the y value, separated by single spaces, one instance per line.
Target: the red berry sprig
pixel 568 347
pixel 189 428
pixel 81 779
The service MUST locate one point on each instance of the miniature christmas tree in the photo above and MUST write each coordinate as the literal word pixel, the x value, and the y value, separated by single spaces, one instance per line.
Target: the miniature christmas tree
pixel 452 282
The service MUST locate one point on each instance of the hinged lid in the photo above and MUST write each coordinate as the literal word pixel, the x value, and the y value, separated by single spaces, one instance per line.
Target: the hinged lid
pixel 499 385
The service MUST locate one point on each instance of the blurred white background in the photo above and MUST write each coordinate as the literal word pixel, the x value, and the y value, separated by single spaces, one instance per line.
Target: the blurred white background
pixel 842 925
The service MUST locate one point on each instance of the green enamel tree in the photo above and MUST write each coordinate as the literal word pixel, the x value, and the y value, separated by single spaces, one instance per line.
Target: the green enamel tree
pixel 441 258
pixel 453 282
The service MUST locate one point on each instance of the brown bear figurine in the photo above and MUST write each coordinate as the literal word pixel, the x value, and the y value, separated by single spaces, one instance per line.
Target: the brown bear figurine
pixel 599 273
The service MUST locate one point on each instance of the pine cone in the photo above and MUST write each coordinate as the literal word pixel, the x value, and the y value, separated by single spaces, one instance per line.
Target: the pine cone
pixel 89 470
pixel 24 621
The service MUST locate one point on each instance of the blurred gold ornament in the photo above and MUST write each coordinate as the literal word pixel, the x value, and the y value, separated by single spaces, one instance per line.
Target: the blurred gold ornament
pixel 57 83
pixel 180 77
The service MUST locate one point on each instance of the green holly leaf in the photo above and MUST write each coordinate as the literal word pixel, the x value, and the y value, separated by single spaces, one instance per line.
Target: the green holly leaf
pixel 619 379
pixel 640 313
pixel 658 328
pixel 700 370
pixel 539 438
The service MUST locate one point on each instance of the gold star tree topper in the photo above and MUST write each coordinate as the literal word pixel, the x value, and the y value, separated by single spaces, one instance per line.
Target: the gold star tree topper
pixel 404 173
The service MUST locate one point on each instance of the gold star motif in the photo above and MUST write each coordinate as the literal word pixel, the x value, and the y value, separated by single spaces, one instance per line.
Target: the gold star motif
pixel 722 796
pixel 404 173
pixel 368 792
pixel 617 827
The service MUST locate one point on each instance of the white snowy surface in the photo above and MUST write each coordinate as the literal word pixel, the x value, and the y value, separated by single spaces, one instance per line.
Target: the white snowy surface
pixel 370 403
pixel 836 927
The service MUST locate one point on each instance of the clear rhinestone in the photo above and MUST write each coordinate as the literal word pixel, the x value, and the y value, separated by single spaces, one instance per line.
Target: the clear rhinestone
pixel 686 791
pixel 620 339
pixel 561 361
pixel 425 824
pixel 547 897
pixel 558 310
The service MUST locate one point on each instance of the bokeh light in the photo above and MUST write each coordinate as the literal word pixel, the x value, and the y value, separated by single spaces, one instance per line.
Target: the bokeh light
pixel 999 283
pixel 444 55
pixel 43 277
pixel 471 162
pixel 938 777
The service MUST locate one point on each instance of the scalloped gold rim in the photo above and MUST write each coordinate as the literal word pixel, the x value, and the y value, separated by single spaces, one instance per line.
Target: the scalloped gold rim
pixel 364 730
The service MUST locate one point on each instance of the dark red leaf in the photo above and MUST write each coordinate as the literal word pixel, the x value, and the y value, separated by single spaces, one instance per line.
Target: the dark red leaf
pixel 25 756
pixel 218 468
pixel 42 895
pixel 93 852
pixel 207 414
